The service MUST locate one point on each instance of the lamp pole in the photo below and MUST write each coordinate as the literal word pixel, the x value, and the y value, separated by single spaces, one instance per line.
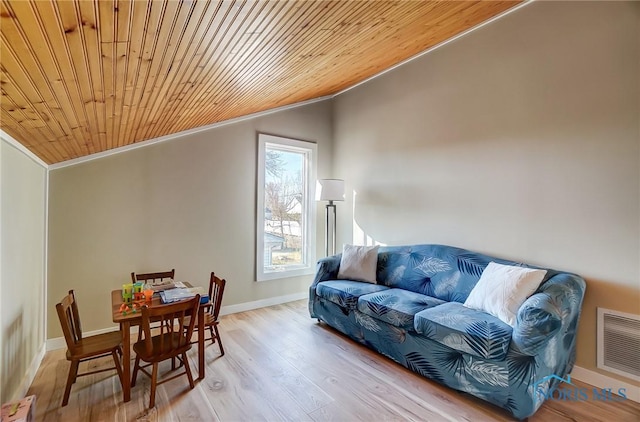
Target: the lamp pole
pixel 330 190
pixel 330 211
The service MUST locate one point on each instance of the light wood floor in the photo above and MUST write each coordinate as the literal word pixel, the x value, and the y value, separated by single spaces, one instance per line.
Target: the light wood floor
pixel 282 365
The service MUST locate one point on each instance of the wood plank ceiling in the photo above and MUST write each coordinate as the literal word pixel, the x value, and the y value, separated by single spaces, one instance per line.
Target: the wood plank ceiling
pixel 81 77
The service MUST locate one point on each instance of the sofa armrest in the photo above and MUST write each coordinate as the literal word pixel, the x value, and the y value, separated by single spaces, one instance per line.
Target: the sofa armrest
pixel 538 320
pixel 556 306
pixel 326 269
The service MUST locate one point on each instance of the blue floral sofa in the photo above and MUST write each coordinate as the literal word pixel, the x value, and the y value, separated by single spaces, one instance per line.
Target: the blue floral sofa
pixel 415 316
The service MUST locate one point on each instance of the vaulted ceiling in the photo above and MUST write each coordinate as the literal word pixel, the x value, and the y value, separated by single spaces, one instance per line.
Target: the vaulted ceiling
pixel 81 77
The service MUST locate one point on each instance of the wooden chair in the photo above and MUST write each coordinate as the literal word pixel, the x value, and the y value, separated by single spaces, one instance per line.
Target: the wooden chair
pixel 81 349
pixel 171 343
pixel 216 290
pixel 151 277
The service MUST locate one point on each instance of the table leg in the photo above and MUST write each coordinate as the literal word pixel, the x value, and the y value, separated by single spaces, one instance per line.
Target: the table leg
pixel 201 329
pixel 125 328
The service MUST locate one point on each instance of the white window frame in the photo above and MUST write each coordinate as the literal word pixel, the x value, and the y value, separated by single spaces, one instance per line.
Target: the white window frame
pixel 309 149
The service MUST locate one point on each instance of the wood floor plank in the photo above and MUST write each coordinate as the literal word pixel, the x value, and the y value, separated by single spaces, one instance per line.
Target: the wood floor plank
pixel 375 398
pixel 296 385
pixel 246 392
pixel 398 382
pixel 282 365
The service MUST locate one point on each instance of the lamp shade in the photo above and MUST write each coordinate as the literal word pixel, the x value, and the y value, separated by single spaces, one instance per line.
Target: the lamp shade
pixel 330 190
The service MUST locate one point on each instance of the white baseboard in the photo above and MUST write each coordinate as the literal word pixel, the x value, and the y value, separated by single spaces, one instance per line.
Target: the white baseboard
pixel 59 343
pixel 263 303
pixel 602 381
pixel 30 375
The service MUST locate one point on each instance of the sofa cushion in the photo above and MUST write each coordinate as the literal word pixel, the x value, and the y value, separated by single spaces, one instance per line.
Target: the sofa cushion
pixel 396 306
pixel 466 330
pixel 345 293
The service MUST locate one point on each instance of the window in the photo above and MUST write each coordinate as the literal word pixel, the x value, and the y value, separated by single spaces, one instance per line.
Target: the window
pixel 285 241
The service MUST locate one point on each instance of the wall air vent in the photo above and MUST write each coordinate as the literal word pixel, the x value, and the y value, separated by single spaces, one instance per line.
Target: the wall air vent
pixel 619 342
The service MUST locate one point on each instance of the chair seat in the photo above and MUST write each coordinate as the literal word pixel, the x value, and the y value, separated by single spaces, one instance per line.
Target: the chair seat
pixel 98 344
pixel 208 320
pixel 162 349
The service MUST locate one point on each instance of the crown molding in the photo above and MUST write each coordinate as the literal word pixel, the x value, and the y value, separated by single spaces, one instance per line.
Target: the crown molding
pixel 17 145
pixel 437 46
pixel 172 136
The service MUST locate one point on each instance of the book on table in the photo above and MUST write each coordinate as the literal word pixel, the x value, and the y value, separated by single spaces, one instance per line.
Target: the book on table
pixel 175 295
pixel 161 286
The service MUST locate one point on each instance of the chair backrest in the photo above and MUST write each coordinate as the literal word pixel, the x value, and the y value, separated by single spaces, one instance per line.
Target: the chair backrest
pixel 172 320
pixel 216 290
pixel 70 321
pixel 151 277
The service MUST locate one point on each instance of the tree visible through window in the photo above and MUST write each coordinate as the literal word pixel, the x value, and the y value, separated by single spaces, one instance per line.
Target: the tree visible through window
pixel 285 211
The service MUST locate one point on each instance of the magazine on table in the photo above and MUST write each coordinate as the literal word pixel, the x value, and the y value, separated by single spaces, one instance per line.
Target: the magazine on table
pixel 177 294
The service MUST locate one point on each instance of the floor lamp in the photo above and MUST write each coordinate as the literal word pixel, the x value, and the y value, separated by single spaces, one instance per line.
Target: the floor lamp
pixel 330 190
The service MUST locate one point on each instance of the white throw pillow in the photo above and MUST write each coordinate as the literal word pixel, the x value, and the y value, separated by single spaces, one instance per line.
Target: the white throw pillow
pixel 502 289
pixel 359 263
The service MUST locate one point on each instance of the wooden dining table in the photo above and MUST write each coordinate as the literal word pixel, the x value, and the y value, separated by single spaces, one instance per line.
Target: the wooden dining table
pixel 130 319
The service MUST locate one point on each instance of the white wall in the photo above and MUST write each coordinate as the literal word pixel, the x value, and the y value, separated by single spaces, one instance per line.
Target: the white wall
pixel 188 204
pixel 22 276
pixel 521 139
